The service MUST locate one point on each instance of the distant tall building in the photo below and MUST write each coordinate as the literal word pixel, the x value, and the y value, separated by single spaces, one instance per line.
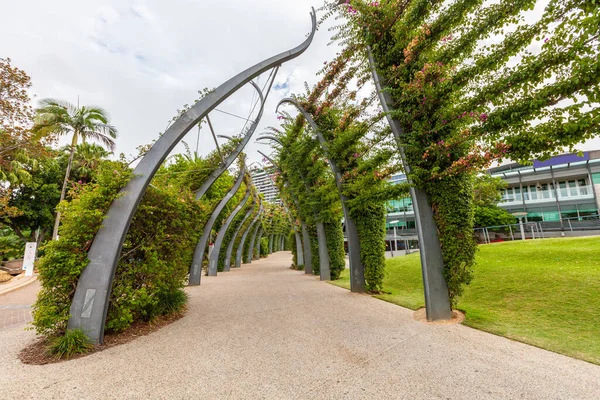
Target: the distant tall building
pixel 261 178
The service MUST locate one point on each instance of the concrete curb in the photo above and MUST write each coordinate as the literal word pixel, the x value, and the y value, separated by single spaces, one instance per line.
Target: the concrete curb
pixel 18 285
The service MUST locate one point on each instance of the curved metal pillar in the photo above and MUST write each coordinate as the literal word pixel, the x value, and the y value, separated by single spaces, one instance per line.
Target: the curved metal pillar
pixel 282 245
pixel 437 302
pixel 250 253
pixel 90 301
pixel 324 262
pixel 324 269
pixel 257 244
pixel 357 269
pixel 214 255
pixel 307 250
pixel 240 250
pixel 232 241
pixel 271 238
pixel 196 268
pixel 299 252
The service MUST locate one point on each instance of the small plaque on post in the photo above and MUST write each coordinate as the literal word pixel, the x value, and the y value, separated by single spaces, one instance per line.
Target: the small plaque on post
pixel 29 258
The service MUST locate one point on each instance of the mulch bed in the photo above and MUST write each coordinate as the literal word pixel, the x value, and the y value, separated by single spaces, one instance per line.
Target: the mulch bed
pixel 36 354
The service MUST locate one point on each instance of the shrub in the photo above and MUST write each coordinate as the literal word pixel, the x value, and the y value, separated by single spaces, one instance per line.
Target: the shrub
pixel 154 262
pixel 172 302
pixel 73 342
pixel 335 245
pixel 370 224
pixel 264 246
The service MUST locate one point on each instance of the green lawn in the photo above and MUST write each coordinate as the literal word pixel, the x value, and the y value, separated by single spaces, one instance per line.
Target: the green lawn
pixel 543 292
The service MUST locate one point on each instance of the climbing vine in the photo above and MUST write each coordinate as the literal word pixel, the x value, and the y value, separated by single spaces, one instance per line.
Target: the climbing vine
pixel 474 83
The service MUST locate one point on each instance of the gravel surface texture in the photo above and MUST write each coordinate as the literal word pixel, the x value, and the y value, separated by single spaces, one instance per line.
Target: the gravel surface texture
pixel 267 332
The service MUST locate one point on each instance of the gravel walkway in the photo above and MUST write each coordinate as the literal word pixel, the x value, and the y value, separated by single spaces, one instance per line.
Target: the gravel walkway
pixel 268 332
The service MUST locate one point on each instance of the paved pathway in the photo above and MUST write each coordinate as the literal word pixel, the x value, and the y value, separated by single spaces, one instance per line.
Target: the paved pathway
pixel 267 332
pixel 15 307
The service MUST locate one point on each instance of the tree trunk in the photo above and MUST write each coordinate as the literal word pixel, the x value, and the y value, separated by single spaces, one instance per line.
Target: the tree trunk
pixel 64 187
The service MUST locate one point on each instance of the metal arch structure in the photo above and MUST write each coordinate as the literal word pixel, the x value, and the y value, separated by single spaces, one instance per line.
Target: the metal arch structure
pixel 240 249
pixel 196 269
pixel 214 255
pixel 357 270
pixel 271 238
pixel 324 262
pixel 299 251
pixel 227 161
pixel 307 250
pixel 250 253
pixel 90 301
pixel 437 301
pixel 257 242
pixel 232 241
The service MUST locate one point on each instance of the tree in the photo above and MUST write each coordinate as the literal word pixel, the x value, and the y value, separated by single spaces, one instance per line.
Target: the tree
pixel 475 82
pixel 33 202
pixel 86 160
pixel 58 118
pixel 486 196
pixel 17 147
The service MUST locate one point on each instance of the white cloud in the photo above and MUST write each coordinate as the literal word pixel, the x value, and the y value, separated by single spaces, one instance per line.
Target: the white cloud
pixel 143 60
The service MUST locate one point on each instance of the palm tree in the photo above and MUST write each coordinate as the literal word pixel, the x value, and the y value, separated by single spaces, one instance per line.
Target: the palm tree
pixel 86 160
pixel 58 118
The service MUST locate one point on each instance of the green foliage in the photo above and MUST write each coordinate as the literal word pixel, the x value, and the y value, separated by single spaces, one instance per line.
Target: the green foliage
pixel 463 101
pixel 229 235
pixel 335 245
pixel 314 248
pixel 452 201
pixel 540 292
pixel 64 259
pixel 486 196
pixel 171 302
pixel 492 216
pixel 11 246
pixel 370 224
pixel 486 190
pixel 73 342
pixel 264 247
pixel 154 262
pixel 39 213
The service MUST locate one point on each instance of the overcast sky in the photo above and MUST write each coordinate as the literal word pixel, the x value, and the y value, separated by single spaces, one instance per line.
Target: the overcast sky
pixel 142 60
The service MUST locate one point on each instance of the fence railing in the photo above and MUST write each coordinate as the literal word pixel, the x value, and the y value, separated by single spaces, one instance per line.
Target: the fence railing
pixel 537 230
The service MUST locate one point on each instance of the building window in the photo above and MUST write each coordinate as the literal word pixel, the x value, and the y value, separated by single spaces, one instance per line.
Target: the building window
pixel 563 189
pixel 583 190
pixel 573 187
pixel 533 192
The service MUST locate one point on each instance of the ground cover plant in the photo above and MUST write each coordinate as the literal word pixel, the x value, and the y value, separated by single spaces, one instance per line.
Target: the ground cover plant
pixel 542 292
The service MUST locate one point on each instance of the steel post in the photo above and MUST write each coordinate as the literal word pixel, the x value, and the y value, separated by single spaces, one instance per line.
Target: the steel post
pixel 357 270
pixel 196 268
pixel 437 301
pixel 214 257
pixel 90 301
pixel 258 244
pixel 235 235
pixel 307 250
pixel 240 249
pixel 250 254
